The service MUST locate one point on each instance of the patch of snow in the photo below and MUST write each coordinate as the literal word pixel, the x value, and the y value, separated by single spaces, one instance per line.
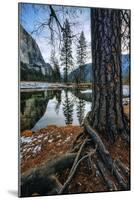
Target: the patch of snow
pixel 58 136
pixel 86 91
pixel 126 91
pixel 50 140
pixel 26 139
pixel 37 149
pixel 34 139
pixel 33 85
pixel 23 150
pixel 39 141
pixel 67 139
pixel 40 136
pixel 29 149
pixel 46 137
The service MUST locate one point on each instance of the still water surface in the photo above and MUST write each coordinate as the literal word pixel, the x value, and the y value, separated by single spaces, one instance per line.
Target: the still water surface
pixel 40 108
pixel 57 107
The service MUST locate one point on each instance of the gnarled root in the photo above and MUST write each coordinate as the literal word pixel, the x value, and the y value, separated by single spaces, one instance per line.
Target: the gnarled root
pixel 109 163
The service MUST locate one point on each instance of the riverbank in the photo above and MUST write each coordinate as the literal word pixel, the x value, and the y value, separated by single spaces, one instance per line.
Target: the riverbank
pixel 46 85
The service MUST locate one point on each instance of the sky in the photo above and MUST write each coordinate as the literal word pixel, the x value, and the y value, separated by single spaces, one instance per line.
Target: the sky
pixel 31 15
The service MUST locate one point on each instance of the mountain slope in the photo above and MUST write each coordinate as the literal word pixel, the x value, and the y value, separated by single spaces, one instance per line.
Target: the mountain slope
pixel 125 68
pixel 87 71
pixel 32 64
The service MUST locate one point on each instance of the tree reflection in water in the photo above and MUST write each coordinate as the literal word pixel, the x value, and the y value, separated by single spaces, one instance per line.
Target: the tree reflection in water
pixel 58 98
pixel 68 106
pixel 33 106
pixel 80 108
pixel 60 107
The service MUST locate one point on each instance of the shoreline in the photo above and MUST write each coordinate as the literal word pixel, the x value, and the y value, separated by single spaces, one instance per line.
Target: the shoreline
pixel 24 85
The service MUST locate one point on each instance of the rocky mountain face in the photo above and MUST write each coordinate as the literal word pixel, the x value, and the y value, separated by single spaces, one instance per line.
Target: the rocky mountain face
pixel 32 64
pixel 125 67
pixel 86 74
pixel 87 71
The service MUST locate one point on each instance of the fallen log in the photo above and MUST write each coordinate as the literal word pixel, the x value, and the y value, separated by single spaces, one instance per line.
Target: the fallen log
pixel 41 179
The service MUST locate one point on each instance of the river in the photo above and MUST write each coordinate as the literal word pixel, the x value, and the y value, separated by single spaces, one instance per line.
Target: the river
pixel 43 106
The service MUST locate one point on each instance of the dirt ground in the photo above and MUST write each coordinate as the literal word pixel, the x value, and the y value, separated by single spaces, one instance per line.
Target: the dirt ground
pixel 46 144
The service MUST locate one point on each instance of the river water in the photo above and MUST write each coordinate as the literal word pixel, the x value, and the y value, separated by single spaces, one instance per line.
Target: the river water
pixel 40 108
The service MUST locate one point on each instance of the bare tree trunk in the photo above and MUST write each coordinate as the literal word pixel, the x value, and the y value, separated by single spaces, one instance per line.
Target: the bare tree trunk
pixel 107 110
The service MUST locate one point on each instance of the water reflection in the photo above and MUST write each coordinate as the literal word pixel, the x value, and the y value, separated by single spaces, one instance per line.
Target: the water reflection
pixel 58 98
pixel 81 110
pixel 68 108
pixel 59 107
pixel 33 106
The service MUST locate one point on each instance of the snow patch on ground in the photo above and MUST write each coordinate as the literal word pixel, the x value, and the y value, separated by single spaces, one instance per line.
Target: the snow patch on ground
pixel 86 91
pixel 126 91
pixel 32 85
pixel 26 139
pixel 37 149
pixel 50 140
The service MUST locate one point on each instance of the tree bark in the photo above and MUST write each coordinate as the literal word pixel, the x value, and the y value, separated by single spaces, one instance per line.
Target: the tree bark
pixel 107 110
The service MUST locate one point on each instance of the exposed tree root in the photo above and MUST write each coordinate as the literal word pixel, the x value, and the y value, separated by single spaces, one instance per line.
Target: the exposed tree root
pixel 75 165
pixel 106 157
pixel 105 175
pixel 124 169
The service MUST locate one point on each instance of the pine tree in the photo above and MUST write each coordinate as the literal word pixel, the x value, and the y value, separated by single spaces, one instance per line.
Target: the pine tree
pixel 66 51
pixel 81 53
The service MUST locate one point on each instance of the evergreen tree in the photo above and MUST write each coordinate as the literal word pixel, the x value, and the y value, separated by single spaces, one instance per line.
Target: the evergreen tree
pixel 81 53
pixel 66 51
